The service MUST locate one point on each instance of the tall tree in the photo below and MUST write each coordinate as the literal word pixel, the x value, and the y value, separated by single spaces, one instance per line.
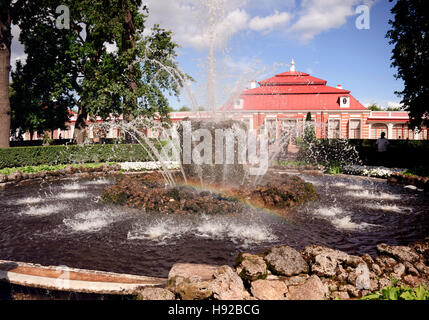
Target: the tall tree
pixel 410 55
pixel 103 63
pixel 5 43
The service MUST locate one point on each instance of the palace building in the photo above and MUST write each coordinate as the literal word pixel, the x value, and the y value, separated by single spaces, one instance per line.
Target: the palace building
pixel 284 101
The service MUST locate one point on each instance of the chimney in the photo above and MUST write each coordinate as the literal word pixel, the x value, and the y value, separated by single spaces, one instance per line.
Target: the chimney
pixel 292 66
pixel 253 84
pixel 339 86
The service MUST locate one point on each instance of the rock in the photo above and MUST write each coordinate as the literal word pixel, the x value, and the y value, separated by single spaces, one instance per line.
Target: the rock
pixel 296 280
pixel 368 259
pixel 341 274
pixel 194 290
pixel 384 282
pixel 351 290
pixel 421 247
pixel 340 295
pixel 150 293
pixel 69 170
pixel 401 253
pixel 414 281
pixel 3 178
pixel 251 267
pixel 376 269
pixel 15 176
pixel 227 285
pixel 398 271
pixel 192 272
pixel 373 285
pixel 410 269
pixel 286 261
pixel 330 284
pixel 353 261
pixel 312 289
pixel 420 266
pixel 269 290
pixel 386 262
pixel 363 280
pixel 324 261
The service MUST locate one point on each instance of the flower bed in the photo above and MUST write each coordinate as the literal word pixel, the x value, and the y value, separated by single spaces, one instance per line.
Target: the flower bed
pixel 371 171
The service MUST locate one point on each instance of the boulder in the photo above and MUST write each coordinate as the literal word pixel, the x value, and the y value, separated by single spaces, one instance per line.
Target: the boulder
pixel 251 267
pixel 398 271
pixel 351 290
pixel 15 176
pixel 150 293
pixel 368 259
pixel 3 178
pixel 194 290
pixel 362 280
pixel 386 262
pixel 410 269
pixel 312 289
pixel 340 295
pixel 269 289
pixel 192 272
pixel 384 282
pixel 296 280
pixel 401 253
pixel 286 261
pixel 414 281
pixel 324 261
pixel 376 269
pixel 227 285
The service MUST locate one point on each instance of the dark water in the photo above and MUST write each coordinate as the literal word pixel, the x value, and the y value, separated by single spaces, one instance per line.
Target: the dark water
pixel 64 223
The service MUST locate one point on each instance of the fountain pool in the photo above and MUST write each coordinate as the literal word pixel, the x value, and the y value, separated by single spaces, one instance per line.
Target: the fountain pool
pixel 64 222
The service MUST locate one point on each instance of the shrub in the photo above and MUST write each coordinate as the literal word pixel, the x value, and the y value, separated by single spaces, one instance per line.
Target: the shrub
pixel 396 292
pixel 55 155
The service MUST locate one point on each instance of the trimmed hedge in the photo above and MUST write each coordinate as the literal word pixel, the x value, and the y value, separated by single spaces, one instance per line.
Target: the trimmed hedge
pixel 401 153
pixel 53 155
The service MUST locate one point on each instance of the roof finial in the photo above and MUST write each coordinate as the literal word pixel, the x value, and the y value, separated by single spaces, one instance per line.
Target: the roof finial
pixel 292 66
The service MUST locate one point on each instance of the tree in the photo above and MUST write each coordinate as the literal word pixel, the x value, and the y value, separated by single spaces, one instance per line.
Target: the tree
pixel 130 80
pixel 410 55
pixel 5 43
pixel 184 108
pixel 374 107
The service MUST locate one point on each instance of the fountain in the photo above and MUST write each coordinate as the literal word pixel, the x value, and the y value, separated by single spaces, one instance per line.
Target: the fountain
pixel 221 200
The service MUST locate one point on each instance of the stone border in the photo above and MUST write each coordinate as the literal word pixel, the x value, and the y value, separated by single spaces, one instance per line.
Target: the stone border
pixel 279 273
pixel 419 182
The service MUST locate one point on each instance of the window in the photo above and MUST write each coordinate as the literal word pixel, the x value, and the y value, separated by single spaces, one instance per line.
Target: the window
pixel 334 129
pixel 354 129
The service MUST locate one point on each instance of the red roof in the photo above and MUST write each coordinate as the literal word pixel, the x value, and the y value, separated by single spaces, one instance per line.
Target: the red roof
pixel 294 90
pixel 298 102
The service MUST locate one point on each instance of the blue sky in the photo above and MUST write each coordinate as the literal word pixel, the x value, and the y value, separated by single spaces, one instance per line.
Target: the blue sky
pixel 255 37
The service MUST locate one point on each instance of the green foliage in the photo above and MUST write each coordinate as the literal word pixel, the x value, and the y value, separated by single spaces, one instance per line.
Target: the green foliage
pixel 55 155
pixel 422 171
pixel 102 66
pixel 410 56
pixel 374 107
pixel 396 292
pixel 334 169
pixel 41 168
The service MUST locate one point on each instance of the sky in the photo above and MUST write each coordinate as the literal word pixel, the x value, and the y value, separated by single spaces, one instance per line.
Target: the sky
pixel 258 39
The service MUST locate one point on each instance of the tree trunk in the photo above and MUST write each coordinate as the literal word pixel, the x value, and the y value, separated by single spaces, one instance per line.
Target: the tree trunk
pixel 80 126
pixel 5 42
pixel 128 42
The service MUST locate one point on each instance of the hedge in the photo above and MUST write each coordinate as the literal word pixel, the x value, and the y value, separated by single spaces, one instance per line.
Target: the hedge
pixel 53 155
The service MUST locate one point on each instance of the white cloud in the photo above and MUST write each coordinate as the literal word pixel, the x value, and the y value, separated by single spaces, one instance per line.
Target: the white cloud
pixel 317 16
pixel 17 48
pixel 392 104
pixel 271 22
